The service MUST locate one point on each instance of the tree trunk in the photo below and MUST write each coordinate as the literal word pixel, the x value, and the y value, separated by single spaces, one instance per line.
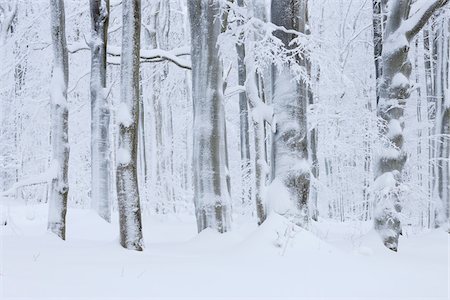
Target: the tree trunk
pixel 244 125
pixel 127 183
pixel 290 99
pixel 100 113
pixel 378 7
pixel 211 199
pixel 59 124
pixel 394 92
pixel 442 129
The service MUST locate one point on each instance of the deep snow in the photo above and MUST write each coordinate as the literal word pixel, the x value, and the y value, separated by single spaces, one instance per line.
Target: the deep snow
pixel 275 260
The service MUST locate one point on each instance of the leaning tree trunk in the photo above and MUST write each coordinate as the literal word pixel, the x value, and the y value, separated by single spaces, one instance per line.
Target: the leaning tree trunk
pixel 59 123
pixel 100 145
pixel 394 92
pixel 290 99
pixel 211 199
pixel 128 118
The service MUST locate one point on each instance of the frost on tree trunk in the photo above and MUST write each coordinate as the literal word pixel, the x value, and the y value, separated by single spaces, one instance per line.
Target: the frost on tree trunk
pixel 59 123
pixel 442 129
pixel 394 92
pixel 128 114
pixel 378 21
pixel 100 145
pixel 260 113
pixel 211 198
pixel 290 99
pixel 244 125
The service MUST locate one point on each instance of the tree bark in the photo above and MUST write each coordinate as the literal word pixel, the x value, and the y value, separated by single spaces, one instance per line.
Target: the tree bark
pixel 59 125
pixel 290 99
pixel 394 92
pixel 244 125
pixel 100 112
pixel 211 199
pixel 127 182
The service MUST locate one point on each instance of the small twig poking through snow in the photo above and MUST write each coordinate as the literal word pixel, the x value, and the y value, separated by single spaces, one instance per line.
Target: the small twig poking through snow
pixel 282 241
pixel 36 256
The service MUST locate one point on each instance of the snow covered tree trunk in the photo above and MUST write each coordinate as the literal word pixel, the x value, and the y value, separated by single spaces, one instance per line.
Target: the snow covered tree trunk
pixel 442 130
pixel 151 41
pixel 128 115
pixel 394 92
pixel 244 125
pixel 211 199
pixel 312 137
pixel 100 115
pixel 59 123
pixel 378 21
pixel 445 154
pixel 260 112
pixel 290 99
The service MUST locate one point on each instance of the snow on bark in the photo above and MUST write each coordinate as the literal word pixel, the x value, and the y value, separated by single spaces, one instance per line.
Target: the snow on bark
pixel 100 112
pixel 211 198
pixel 260 113
pixel 127 184
pixel 394 92
pixel 441 174
pixel 59 187
pixel 290 99
pixel 244 124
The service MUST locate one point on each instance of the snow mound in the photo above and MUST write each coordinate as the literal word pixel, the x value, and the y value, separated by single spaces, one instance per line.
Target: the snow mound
pixel 279 236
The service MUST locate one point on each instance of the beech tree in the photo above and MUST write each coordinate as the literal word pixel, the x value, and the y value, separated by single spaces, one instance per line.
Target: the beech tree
pixel 100 112
pixel 244 122
pixel 211 197
pixel 290 100
pixel 128 119
pixel 401 27
pixel 59 187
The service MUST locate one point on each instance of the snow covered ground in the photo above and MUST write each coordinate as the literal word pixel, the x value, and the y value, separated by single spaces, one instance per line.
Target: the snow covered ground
pixel 276 260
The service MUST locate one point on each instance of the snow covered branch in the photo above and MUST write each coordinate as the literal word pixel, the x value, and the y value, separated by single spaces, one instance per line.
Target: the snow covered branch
pixel 416 22
pixel 7 14
pixel 147 55
pixel 43 178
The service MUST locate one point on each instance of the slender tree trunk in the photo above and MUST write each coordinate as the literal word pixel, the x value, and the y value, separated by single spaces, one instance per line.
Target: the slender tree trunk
pixel 100 113
pixel 127 182
pixel 290 99
pixel 244 125
pixel 377 23
pixel 211 199
pixel 442 129
pixel 59 124
pixel 257 106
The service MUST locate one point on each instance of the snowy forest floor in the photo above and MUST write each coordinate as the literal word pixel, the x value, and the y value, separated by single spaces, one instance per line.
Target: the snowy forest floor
pixel 275 260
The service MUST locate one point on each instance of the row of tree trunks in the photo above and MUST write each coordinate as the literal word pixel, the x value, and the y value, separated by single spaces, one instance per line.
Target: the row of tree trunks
pixel 211 198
